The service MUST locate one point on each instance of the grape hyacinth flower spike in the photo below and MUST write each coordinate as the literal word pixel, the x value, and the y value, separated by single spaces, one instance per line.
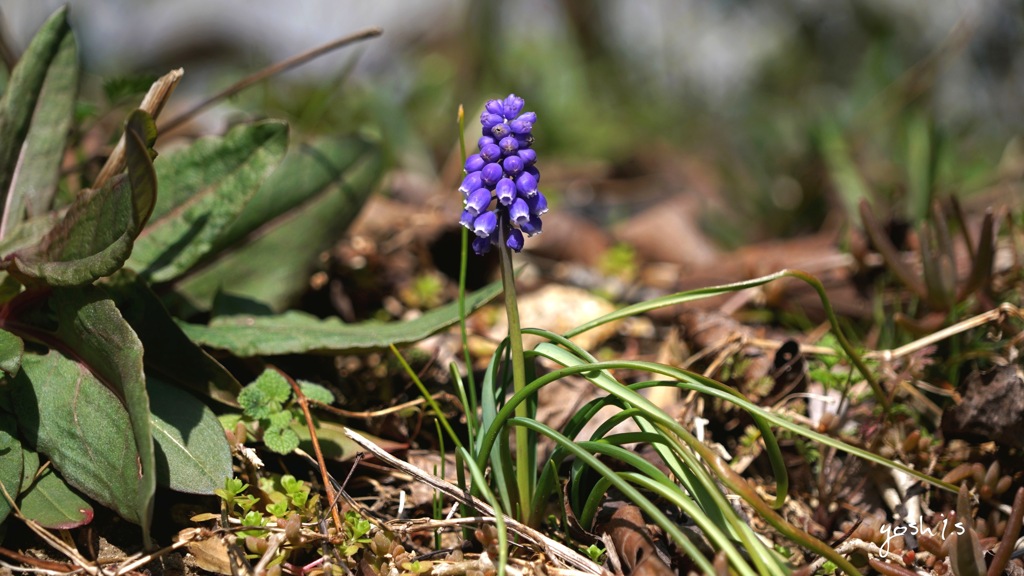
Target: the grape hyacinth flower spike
pixel 499 191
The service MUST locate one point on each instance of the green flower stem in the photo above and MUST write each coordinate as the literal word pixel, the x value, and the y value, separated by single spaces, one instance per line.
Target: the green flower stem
pixel 524 475
pixel 464 255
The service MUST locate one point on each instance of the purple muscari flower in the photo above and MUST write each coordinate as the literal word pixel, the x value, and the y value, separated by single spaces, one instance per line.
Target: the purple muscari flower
pixel 503 169
pixel 495 107
pixel 491 173
pixel 474 163
pixel 513 165
pixel 519 212
pixel 526 183
pixel 490 152
pixel 512 106
pixel 515 240
pixel 478 200
pixel 471 182
pixel 485 224
pixel 481 245
pixel 520 126
pixel 505 190
pixel 538 204
pixel 508 145
pixel 532 228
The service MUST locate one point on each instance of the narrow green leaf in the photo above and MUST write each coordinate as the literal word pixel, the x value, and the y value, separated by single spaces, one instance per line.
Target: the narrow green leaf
pixel 203 189
pixel 170 355
pixel 192 453
pixel 11 462
pixel 297 332
pixel 32 190
pixel 95 236
pixel 22 94
pixel 268 254
pixel 55 505
pixel 66 413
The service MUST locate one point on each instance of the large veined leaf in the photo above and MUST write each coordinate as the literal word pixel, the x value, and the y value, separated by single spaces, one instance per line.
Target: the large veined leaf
pixel 302 209
pixel 203 189
pixel 192 453
pixel 38 170
pixel 66 413
pixel 11 462
pixel 103 388
pixel 296 332
pixel 52 47
pixel 94 237
pixel 51 503
pixel 170 355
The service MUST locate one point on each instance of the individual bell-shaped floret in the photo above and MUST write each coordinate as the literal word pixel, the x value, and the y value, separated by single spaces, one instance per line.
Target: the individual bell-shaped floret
pixel 484 141
pixel 478 200
pixel 488 120
pixel 513 165
pixel 481 245
pixel 533 227
pixel 491 173
pixel 474 163
pixel 527 155
pixel 508 145
pixel 519 212
pixel 515 240
pixel 490 152
pixel 538 204
pixel 471 182
pixel 526 184
pixel 505 190
pixel 467 219
pixel 513 105
pixel 520 126
pixel 495 107
pixel 485 224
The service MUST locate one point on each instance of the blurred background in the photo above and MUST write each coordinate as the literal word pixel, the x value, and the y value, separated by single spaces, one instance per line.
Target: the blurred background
pixel 748 120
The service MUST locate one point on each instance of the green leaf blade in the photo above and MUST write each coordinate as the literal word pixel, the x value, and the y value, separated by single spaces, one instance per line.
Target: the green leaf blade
pixel 53 504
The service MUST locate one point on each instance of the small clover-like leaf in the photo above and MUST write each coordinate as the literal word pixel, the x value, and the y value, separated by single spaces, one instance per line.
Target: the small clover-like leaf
pixel 280 419
pixel 274 386
pixel 255 404
pixel 280 440
pixel 316 392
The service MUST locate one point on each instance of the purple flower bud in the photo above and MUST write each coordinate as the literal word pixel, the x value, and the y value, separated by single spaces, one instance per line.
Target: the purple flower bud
pixel 513 165
pixel 467 219
pixel 474 163
pixel 489 120
pixel 533 227
pixel 519 212
pixel 481 246
pixel 499 131
pixel 526 184
pixel 505 189
pixel 485 224
pixel 478 200
pixel 471 182
pixel 520 127
pixel 525 140
pixel 515 240
pixel 512 106
pixel 508 145
pixel 530 117
pixel 491 173
pixel 538 204
pixel 490 152
pixel 532 170
pixel 528 155
pixel 484 141
pixel 495 107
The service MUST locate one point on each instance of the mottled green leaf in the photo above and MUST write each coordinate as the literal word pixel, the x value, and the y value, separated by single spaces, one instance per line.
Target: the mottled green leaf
pixel 53 504
pixel 170 355
pixel 107 354
pixel 32 190
pixel 192 453
pixel 11 462
pixel 298 332
pixel 302 209
pixel 95 235
pixel 11 349
pixel 203 189
pixel 52 46
pixel 67 414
